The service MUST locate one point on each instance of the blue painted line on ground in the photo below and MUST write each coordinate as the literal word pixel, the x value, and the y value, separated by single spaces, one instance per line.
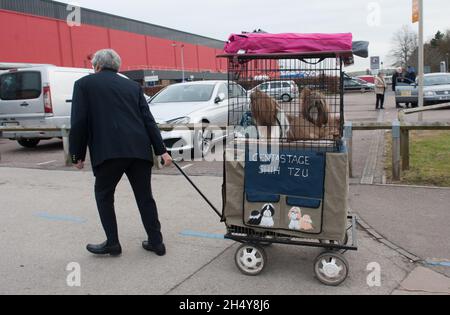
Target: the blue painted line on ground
pixel 202 235
pixel 438 263
pixel 60 218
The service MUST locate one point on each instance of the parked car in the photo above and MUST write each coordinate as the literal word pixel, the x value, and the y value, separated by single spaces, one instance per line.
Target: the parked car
pixel 356 84
pixel 281 90
pixel 436 90
pixel 367 78
pixel 204 102
pixel 38 96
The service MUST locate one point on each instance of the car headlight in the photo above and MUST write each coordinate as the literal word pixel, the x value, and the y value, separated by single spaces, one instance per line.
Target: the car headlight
pixel 430 93
pixel 180 121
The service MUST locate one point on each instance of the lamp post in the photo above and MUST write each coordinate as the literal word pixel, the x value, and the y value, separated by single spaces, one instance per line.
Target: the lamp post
pixel 182 60
pixel 421 57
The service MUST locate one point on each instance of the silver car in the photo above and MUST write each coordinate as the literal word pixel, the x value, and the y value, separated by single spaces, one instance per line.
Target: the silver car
pixel 203 102
pixel 281 90
pixel 436 90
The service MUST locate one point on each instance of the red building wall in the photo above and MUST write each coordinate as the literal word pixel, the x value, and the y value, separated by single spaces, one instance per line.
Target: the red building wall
pixel 34 39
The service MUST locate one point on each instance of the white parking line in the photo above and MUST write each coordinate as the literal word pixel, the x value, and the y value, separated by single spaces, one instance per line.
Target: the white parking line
pixel 186 166
pixel 45 163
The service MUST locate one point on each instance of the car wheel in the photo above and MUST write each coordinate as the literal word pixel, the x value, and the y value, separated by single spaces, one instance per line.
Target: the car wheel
pixel 202 143
pixel 286 98
pixel 29 143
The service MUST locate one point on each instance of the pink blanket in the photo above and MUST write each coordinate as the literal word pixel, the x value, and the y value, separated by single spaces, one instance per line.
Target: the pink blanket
pixel 261 43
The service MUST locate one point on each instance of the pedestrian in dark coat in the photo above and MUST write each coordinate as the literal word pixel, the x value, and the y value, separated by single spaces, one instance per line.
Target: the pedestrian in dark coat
pixel 111 117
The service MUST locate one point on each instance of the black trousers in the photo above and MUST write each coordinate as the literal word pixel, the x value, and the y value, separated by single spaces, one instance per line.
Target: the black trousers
pixel 380 101
pixel 138 172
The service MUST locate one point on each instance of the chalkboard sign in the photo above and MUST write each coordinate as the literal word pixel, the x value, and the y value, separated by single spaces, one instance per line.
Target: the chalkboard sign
pixel 288 172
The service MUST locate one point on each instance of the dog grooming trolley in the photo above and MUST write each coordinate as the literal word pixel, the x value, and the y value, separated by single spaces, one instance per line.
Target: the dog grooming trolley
pixel 286 178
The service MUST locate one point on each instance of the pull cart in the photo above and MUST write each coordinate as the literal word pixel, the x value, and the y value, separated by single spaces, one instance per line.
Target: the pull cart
pixel 286 176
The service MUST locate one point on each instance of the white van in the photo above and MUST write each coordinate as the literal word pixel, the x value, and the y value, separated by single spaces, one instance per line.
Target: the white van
pixel 38 96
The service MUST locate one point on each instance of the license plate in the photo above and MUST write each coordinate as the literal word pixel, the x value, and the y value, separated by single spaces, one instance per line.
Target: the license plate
pixel 10 124
pixel 405 93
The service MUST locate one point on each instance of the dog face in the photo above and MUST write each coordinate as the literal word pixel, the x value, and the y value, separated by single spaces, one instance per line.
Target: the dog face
pixel 314 107
pixel 268 210
pixel 295 214
pixel 264 109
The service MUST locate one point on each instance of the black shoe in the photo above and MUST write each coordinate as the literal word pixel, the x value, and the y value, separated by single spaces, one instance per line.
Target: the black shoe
pixel 105 249
pixel 159 250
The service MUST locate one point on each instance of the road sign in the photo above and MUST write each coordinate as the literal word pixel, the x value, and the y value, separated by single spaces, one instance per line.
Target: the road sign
pixel 415 11
pixel 153 78
pixel 375 63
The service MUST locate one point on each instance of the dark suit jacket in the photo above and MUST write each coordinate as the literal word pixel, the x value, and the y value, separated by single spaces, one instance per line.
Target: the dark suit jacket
pixel 112 117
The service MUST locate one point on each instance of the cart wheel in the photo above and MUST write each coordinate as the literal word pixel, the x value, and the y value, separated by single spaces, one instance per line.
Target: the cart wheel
pixel 250 259
pixel 331 268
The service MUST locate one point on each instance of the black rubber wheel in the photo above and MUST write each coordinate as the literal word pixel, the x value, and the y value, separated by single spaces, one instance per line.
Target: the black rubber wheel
pixel 286 98
pixel 29 143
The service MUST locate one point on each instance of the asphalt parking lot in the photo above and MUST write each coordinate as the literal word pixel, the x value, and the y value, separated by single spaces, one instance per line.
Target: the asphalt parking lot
pixel 50 211
pixel 54 216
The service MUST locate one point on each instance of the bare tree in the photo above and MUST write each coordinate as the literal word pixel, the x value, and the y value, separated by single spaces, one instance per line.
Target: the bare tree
pixel 404 43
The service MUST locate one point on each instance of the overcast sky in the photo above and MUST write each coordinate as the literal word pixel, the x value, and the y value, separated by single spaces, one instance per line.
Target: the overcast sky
pixel 372 20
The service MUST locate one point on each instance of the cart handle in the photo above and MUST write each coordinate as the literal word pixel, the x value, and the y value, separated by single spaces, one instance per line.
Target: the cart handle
pixel 197 189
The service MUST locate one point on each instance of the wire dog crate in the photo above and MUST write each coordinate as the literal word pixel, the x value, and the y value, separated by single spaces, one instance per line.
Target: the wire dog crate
pixel 286 167
pixel 294 99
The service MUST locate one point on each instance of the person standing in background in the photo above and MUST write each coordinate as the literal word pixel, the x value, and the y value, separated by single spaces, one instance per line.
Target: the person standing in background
pixel 411 74
pixel 396 77
pixel 397 74
pixel 380 90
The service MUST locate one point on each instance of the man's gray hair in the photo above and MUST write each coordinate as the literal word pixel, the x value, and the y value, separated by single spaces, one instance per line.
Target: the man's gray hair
pixel 107 58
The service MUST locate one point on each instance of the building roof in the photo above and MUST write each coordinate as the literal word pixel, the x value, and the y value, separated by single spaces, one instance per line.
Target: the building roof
pixel 58 10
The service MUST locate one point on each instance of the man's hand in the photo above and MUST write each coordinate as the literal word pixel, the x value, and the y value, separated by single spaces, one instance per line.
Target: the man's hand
pixel 79 165
pixel 167 159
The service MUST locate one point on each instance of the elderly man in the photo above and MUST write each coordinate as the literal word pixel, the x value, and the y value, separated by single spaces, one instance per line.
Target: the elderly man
pixel 111 116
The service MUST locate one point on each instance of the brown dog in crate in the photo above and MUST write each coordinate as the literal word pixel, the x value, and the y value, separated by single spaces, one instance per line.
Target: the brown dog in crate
pixel 270 119
pixel 313 120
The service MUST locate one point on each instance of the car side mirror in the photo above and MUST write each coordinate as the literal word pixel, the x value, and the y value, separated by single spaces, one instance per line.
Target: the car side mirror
pixel 220 98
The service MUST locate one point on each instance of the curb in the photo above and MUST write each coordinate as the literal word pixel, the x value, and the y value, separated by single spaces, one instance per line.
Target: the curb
pixel 372 232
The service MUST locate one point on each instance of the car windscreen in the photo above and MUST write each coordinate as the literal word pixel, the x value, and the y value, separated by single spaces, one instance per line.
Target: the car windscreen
pixel 185 93
pixel 20 85
pixel 437 80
